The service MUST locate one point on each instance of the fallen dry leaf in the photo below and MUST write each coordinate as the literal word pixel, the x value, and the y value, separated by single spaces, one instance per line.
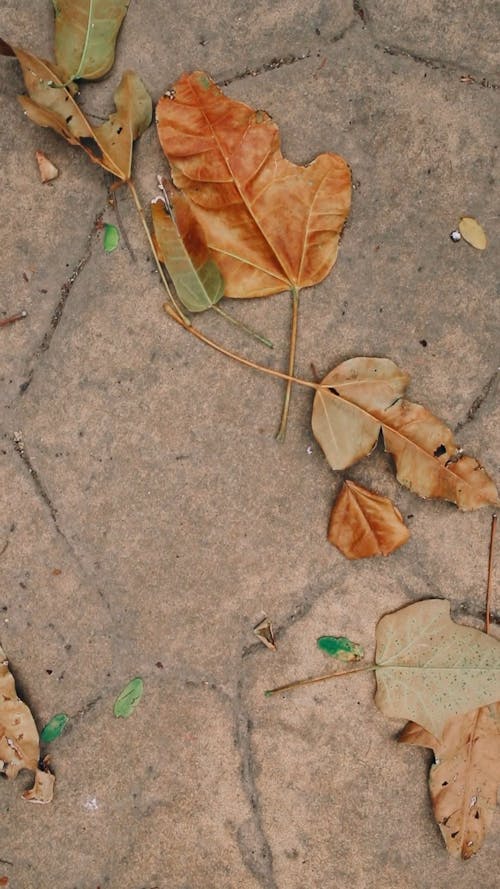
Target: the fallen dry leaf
pixel 464 781
pixel 271 225
pixel 363 397
pixel 473 232
pixel 365 524
pixel 183 249
pixel 19 744
pixel 429 668
pixel 85 36
pixel 48 170
pixel 43 788
pixel 264 632
pixel 50 104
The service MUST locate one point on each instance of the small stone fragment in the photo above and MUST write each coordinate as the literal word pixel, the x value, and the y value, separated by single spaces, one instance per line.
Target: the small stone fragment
pixel 455 236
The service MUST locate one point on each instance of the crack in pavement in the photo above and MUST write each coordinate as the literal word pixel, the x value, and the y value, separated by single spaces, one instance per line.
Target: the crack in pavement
pixel 438 65
pixel 273 65
pixel 478 401
pixel 256 853
pixel 64 294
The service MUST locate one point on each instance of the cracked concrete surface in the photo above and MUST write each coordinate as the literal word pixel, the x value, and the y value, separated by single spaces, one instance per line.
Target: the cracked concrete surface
pixel 149 519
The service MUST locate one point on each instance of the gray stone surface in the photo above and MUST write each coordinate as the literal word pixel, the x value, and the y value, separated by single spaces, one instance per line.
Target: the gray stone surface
pixel 152 519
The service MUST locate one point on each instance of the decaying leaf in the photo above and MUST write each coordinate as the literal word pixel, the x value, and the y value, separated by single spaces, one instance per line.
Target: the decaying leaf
pixel 341 647
pixel 363 397
pixel 48 170
pixel 19 745
pixel 473 232
pixel 43 788
pixel 110 144
pixel 85 36
pixel 54 728
pixel 271 225
pixel 111 237
pixel 264 632
pixel 365 524
pixel 183 249
pixel 464 781
pixel 429 668
pixel 128 698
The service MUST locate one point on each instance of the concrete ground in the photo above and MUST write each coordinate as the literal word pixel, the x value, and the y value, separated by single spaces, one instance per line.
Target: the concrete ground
pixel 152 519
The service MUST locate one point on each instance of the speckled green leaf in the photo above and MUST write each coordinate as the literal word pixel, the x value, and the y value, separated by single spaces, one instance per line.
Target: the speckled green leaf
pixel 85 36
pixel 429 668
pixel 341 648
pixel 111 237
pixel 54 728
pixel 128 699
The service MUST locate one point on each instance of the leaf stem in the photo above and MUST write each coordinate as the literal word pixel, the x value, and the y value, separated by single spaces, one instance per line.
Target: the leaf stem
pixel 489 583
pixel 81 63
pixel 256 335
pixel 281 433
pixel 314 679
pixel 179 314
pixel 17 317
pixel 239 358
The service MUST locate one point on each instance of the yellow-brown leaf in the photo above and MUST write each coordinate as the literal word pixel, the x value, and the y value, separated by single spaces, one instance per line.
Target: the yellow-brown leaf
pixel 270 224
pixel 364 524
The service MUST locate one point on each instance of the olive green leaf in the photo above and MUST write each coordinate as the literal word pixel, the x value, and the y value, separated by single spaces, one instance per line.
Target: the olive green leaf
pixel 85 36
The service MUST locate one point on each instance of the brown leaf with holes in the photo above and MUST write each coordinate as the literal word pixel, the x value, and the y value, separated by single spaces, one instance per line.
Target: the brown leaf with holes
pixel 362 398
pixel 271 225
pixel 464 780
pixel 19 744
pixel 43 788
pixel 364 524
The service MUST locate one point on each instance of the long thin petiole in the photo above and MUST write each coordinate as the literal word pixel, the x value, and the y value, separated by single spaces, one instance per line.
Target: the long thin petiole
pixel 314 679
pixel 250 330
pixel 489 583
pixel 235 357
pixel 13 318
pixel 281 433
pixel 178 311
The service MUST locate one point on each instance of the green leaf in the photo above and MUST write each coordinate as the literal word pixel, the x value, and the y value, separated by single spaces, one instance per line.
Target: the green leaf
pixel 128 699
pixel 341 647
pixel 111 237
pixel 429 668
pixel 183 249
pixel 85 36
pixel 54 728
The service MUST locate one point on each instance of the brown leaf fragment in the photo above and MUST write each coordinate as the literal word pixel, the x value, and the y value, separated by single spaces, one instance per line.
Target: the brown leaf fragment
pixel 271 225
pixel 473 232
pixel 264 632
pixel 364 524
pixel 19 744
pixel 48 170
pixel 361 398
pixel 464 780
pixel 43 788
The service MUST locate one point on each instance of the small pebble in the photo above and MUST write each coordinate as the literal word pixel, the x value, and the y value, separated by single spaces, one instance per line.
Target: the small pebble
pixel 455 236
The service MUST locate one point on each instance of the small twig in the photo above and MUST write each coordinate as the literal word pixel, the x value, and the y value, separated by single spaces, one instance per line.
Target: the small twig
pixel 314 679
pixel 18 317
pixel 489 583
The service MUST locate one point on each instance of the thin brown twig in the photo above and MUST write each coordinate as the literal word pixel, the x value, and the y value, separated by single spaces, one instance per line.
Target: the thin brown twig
pixel 489 583
pixel 281 433
pixel 17 317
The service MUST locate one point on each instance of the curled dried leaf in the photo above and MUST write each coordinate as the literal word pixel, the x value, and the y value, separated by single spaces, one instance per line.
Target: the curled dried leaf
pixel 365 524
pixel 264 632
pixel 43 788
pixel 48 170
pixel 19 744
pixel 361 398
pixel 464 781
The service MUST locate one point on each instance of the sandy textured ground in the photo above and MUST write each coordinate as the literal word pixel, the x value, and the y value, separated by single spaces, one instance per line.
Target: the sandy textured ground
pixel 152 519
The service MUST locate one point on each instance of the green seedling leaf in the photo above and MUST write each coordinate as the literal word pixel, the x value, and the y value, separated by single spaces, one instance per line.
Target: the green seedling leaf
pixel 341 648
pixel 128 699
pixel 54 728
pixel 111 237
pixel 183 249
pixel 85 36
pixel 109 145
